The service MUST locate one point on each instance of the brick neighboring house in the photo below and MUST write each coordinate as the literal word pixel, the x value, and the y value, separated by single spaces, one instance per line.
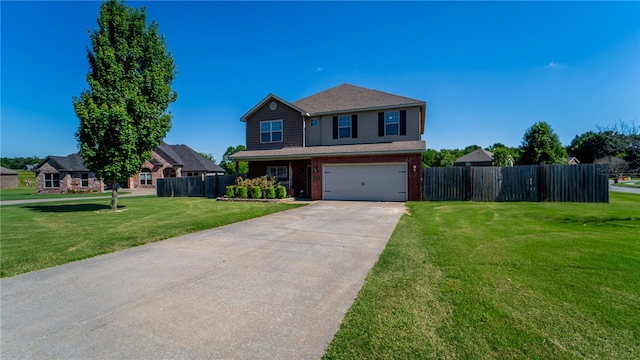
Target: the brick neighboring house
pixel 8 178
pixel 172 161
pixel 63 174
pixel 344 143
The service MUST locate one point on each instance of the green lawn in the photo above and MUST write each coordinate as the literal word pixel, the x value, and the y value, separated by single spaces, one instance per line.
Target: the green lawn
pixel 41 235
pixel 462 280
pixel 631 184
pixel 29 193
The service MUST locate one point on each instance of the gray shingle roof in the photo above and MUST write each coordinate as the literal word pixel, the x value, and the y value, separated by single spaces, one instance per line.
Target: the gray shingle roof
pixel 193 161
pixel 348 97
pixel 477 155
pixel 398 147
pixel 5 171
pixel 73 162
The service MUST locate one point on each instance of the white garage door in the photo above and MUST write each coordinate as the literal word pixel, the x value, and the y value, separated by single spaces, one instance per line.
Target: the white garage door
pixel 380 182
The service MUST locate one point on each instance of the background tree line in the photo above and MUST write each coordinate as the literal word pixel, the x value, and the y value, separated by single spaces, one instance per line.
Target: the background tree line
pixel 540 144
pixel 19 162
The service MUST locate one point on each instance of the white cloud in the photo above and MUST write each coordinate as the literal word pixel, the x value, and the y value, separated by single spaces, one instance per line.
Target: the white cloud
pixel 320 68
pixel 552 65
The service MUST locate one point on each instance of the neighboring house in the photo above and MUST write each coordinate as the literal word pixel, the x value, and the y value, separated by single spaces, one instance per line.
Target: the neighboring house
pixel 344 143
pixel 64 174
pixel 478 157
pixel 8 178
pixel 172 161
pixel 29 167
pixel 573 160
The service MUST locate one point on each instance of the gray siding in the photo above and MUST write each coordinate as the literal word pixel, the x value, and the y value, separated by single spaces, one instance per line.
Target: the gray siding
pixel 368 129
pixel 314 134
pixel 291 127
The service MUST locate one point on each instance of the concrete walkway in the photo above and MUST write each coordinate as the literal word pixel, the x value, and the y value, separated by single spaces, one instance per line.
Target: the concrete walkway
pixel 275 287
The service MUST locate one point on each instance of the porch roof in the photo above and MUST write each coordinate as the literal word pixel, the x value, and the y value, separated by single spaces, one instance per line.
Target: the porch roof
pixel 292 153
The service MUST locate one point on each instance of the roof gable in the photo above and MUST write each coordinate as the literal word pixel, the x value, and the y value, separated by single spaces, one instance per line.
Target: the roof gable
pixel 73 162
pixel 193 161
pixel 5 171
pixel 348 97
pixel 264 101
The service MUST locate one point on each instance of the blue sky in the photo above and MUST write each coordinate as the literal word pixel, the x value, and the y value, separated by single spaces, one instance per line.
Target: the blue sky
pixel 487 70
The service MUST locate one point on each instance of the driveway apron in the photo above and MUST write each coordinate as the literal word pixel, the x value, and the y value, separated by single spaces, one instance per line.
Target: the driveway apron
pixel 275 287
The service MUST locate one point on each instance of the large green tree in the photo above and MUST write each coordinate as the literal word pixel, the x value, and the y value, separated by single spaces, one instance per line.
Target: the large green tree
pixel 230 165
pixel 123 115
pixel 541 145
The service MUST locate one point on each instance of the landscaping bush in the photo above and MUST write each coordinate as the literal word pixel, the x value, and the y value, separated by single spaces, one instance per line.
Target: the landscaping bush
pixel 242 192
pixel 281 192
pixel 270 193
pixel 230 191
pixel 256 192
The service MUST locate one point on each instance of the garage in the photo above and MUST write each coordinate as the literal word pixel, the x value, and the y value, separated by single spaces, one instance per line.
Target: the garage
pixel 372 182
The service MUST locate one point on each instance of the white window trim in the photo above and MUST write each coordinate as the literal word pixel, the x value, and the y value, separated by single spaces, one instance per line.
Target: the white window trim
pixel 314 121
pixel 48 178
pixel 147 181
pixel 281 172
pixel 281 131
pixel 396 123
pixel 350 127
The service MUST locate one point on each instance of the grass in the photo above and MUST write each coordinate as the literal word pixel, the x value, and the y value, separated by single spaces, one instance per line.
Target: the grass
pixel 462 280
pixel 42 235
pixel 632 184
pixel 29 193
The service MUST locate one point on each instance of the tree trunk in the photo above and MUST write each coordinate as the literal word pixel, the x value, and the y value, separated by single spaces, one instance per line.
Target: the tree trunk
pixel 114 195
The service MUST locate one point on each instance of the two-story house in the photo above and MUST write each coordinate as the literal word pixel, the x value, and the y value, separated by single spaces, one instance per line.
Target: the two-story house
pixel 344 143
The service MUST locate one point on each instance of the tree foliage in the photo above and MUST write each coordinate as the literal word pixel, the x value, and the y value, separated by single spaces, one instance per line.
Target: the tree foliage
pixel 541 145
pixel 123 113
pixel 502 157
pixel 19 162
pixel 230 165
pixel 209 157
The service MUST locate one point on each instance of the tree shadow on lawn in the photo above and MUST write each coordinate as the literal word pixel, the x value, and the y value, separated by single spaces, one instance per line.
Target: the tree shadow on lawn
pixel 69 208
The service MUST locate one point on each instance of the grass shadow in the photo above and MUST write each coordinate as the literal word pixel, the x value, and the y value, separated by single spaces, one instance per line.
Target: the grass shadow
pixel 69 208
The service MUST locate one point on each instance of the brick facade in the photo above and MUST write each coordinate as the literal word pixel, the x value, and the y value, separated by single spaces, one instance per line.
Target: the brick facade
pixel 414 178
pixel 69 181
pixel 159 169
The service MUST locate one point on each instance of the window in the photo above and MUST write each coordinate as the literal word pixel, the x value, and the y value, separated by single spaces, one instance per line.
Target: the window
pixel 392 123
pixel 278 172
pixel 51 180
pixel 344 126
pixel 314 122
pixel 84 178
pixel 271 131
pixel 193 173
pixel 145 177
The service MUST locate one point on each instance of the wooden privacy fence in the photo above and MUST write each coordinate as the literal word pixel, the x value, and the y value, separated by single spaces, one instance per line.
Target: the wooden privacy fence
pixel 571 183
pixel 210 186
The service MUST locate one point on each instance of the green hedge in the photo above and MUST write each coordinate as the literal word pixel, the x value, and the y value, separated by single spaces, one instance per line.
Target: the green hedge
pixel 281 192
pixel 256 192
pixel 230 191
pixel 242 192
pixel 270 193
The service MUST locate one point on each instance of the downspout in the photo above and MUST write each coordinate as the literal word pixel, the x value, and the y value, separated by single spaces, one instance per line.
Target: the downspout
pixel 304 132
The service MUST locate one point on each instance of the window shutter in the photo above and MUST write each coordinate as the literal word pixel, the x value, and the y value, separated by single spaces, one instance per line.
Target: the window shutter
pixel 403 122
pixel 335 127
pixel 381 124
pixel 354 126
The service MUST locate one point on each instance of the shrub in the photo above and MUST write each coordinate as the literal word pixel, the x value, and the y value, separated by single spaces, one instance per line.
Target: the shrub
pixel 281 192
pixel 270 193
pixel 230 191
pixel 242 192
pixel 256 192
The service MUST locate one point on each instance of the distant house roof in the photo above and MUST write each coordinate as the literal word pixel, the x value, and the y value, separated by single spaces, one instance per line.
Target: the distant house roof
pixel 29 167
pixel 176 155
pixel 572 160
pixel 477 156
pixel 5 171
pixel 69 163
pixel 290 153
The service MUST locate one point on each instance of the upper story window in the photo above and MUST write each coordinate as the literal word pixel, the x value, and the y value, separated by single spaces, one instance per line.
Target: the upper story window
pixel 344 126
pixel 392 123
pixel 314 122
pixel 51 180
pixel 271 131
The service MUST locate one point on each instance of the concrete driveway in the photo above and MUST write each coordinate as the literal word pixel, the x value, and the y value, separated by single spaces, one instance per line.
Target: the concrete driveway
pixel 275 287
